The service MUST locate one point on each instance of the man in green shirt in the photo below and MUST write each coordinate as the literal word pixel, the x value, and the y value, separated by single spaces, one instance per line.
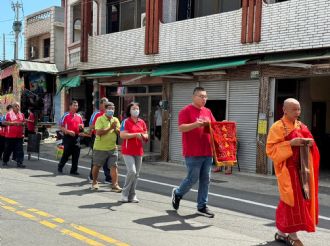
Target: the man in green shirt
pixel 105 149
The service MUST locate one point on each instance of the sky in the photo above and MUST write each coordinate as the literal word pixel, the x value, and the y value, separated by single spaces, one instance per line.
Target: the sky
pixel 6 21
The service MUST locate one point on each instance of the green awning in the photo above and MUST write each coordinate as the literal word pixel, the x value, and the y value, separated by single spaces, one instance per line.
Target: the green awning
pixel 68 82
pixel 195 66
pixel 115 74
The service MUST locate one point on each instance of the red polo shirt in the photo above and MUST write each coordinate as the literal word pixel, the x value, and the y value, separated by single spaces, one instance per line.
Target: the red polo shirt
pixel 94 117
pixel 31 125
pixel 14 131
pixel 197 141
pixel 71 122
pixel 133 146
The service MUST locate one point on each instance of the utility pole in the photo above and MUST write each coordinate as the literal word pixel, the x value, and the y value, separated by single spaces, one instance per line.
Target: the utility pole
pixel 4 47
pixel 17 26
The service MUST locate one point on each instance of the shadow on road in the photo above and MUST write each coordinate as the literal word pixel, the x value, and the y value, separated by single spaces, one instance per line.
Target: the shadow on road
pixel 75 184
pixel 269 243
pixel 107 205
pixel 81 192
pixel 172 222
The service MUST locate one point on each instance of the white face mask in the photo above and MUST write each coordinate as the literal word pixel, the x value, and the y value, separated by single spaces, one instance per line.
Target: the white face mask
pixel 135 112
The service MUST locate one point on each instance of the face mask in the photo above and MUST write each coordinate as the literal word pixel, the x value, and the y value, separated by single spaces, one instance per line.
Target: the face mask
pixel 110 113
pixel 135 112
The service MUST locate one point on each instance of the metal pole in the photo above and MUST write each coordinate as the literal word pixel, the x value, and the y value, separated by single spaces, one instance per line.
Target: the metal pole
pixel 17 25
pixel 4 47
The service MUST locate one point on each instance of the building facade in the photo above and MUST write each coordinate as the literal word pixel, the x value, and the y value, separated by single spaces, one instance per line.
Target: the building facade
pixel 249 55
pixel 44 36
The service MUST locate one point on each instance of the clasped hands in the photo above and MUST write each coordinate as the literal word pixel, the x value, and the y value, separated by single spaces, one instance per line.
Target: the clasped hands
pixel 202 122
pixel 302 142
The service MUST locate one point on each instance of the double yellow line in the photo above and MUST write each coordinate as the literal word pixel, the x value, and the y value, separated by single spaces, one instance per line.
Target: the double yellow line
pixel 58 224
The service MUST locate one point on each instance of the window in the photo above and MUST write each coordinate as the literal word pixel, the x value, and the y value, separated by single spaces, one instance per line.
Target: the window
pixel 124 15
pixel 187 9
pixel 76 30
pixel 76 23
pixel 46 47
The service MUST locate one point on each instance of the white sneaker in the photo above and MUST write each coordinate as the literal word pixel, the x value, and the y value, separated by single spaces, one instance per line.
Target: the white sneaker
pixel 134 200
pixel 123 199
pixel 95 186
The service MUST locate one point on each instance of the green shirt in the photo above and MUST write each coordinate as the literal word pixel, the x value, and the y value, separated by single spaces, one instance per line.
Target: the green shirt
pixel 108 140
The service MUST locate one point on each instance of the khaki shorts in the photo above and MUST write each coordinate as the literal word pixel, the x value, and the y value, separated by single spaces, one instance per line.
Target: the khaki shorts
pixel 100 157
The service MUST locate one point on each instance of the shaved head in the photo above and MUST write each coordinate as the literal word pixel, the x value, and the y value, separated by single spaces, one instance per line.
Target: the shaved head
pixel 290 101
pixel 291 109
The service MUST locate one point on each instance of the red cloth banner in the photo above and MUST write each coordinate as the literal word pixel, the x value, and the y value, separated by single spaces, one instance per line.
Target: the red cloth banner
pixel 224 142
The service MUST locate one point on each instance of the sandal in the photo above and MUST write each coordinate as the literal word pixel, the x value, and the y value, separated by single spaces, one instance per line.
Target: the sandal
pixel 280 238
pixel 293 242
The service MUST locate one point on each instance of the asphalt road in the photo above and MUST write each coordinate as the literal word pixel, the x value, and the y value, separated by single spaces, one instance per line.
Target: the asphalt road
pixel 38 206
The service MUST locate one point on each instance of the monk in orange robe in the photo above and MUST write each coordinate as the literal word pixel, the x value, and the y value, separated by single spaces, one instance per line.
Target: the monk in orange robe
pixel 296 161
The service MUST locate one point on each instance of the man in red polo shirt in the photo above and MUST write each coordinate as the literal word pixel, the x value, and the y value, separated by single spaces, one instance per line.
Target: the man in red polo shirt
pixel 72 126
pixel 196 148
pixel 14 134
pixel 94 117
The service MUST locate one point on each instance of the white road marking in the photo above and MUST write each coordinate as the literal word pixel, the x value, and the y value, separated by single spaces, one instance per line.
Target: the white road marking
pixel 210 193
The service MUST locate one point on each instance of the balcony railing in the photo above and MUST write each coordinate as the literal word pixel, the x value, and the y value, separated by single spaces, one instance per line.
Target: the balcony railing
pixel 39 17
pixel 74 59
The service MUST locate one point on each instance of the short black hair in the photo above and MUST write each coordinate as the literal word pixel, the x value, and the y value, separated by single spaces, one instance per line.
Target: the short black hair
pixel 9 107
pixel 73 102
pixel 199 88
pixel 103 100
pixel 128 109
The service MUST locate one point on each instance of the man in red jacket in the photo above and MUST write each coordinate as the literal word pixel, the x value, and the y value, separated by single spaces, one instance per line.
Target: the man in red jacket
pixel 14 133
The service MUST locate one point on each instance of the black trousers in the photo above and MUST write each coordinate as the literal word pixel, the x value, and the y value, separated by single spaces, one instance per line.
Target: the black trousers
pixel 71 148
pixel 2 145
pixel 15 146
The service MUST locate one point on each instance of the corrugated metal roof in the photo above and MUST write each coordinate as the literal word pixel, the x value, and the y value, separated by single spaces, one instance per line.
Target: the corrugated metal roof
pixel 37 66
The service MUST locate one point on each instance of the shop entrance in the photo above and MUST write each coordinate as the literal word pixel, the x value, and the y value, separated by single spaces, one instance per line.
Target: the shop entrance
pixel 148 97
pixel 315 103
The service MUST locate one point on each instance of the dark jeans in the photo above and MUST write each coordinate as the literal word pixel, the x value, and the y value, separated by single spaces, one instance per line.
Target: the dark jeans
pixel 2 145
pixel 158 132
pixel 106 169
pixel 15 146
pixel 71 147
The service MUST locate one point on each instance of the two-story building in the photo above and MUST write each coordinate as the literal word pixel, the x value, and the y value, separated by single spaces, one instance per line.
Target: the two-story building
pixel 44 44
pixel 249 55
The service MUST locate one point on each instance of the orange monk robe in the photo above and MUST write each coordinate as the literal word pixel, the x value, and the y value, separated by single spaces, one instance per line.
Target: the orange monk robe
pixel 279 150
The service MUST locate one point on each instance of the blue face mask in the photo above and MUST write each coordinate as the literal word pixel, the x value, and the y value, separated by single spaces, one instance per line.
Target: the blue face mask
pixel 110 113
pixel 135 112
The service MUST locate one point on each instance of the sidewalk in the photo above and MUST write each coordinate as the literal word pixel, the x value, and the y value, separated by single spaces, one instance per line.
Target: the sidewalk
pixel 240 179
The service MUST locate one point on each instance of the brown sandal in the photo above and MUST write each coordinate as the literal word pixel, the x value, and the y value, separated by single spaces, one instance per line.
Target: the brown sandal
pixel 280 238
pixel 293 242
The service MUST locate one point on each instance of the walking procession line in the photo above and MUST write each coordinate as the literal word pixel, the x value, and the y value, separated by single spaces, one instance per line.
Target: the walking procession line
pixel 210 193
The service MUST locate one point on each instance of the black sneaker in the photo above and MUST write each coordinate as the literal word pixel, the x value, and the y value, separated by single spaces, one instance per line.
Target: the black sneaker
pixel 60 170
pixel 175 200
pixel 205 212
pixel 5 164
pixel 20 165
pixel 74 173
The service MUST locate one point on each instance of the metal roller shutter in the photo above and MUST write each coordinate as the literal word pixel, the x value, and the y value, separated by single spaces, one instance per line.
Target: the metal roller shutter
pixel 216 90
pixel 181 96
pixel 243 108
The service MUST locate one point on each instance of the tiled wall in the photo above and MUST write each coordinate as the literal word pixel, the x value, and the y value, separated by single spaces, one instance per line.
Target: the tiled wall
pixel 291 25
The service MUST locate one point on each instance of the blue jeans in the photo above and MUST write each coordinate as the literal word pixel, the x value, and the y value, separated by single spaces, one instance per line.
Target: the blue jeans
pixel 198 167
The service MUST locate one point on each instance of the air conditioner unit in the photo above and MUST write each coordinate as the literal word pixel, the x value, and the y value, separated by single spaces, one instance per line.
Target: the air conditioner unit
pixel 143 19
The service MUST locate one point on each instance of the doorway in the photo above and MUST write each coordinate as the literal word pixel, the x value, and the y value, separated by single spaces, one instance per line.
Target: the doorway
pixel 218 109
pixel 319 110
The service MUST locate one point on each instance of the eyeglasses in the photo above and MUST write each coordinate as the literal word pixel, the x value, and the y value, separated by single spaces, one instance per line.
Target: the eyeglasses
pixel 201 96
